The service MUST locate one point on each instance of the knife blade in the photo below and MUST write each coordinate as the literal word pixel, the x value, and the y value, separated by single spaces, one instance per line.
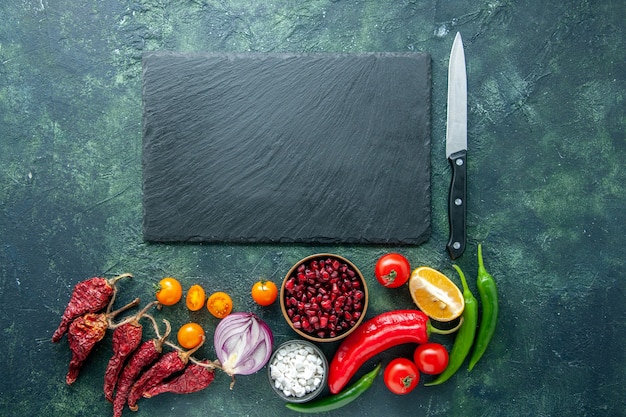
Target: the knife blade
pixel 456 148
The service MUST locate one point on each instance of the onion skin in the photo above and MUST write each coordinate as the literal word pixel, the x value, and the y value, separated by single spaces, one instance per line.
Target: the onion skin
pixel 243 343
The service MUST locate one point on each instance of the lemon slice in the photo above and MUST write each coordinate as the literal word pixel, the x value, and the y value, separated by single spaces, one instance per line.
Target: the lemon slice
pixel 435 294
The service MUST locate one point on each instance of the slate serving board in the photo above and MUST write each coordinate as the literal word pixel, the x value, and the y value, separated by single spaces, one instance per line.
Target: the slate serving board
pixel 308 148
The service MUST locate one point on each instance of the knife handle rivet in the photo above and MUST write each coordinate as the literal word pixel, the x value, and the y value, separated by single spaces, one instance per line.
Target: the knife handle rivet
pixel 458 202
pixel 459 161
pixel 456 245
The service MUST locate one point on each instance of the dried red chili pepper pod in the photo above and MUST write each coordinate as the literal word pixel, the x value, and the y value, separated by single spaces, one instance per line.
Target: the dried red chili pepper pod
pixel 88 296
pixel 126 339
pixel 167 365
pixel 144 356
pixel 195 377
pixel 84 333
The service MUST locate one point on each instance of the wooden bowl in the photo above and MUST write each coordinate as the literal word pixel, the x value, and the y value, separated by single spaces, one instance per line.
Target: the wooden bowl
pixel 324 297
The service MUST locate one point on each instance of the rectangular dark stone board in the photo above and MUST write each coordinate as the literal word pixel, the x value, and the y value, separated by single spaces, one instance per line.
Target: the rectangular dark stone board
pixel 309 148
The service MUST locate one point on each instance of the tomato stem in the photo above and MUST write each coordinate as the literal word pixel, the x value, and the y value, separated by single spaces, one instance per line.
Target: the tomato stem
pixel 406 381
pixel 391 276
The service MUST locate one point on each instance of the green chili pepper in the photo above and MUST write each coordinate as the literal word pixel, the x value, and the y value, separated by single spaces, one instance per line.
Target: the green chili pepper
pixel 465 336
pixel 489 299
pixel 336 401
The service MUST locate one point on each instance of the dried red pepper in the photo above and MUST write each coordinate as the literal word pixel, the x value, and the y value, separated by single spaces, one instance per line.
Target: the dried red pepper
pixel 89 296
pixel 167 365
pixel 144 356
pixel 84 333
pixel 374 336
pixel 195 377
pixel 126 338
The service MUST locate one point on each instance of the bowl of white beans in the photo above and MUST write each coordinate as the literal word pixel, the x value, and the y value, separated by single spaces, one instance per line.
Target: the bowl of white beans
pixel 297 371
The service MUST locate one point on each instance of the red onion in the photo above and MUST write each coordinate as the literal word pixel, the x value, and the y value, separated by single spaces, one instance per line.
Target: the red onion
pixel 243 343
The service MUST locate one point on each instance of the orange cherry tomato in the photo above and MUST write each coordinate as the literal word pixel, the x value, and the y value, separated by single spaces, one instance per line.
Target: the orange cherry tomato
pixel 264 292
pixel 195 298
pixel 220 304
pixel 169 291
pixel 190 335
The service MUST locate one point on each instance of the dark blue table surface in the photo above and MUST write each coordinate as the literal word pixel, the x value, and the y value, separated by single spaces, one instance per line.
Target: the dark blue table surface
pixel 546 193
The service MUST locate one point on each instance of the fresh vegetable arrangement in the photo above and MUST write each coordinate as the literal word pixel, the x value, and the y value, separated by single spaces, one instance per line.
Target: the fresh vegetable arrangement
pixel 243 342
pixel 464 338
pixel 376 335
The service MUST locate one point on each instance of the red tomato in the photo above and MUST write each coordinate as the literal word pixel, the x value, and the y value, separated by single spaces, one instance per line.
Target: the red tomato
pixel 431 358
pixel 401 376
pixel 392 270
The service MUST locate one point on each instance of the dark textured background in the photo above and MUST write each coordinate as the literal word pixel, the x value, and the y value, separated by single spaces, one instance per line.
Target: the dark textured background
pixel 546 191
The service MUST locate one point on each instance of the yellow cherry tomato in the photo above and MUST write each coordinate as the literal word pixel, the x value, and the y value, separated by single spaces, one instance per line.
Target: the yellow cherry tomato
pixel 220 304
pixel 264 292
pixel 169 291
pixel 195 298
pixel 190 335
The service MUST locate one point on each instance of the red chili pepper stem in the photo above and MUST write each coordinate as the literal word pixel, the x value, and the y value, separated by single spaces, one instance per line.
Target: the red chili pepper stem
pixel 168 329
pixel 134 319
pixel 184 355
pixel 113 281
pixel 432 329
pixel 206 363
pixel 111 315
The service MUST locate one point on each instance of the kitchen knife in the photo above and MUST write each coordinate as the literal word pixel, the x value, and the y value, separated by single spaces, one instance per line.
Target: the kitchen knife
pixel 456 148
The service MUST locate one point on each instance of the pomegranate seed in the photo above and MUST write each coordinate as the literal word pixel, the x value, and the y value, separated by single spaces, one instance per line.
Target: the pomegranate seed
pixel 324 297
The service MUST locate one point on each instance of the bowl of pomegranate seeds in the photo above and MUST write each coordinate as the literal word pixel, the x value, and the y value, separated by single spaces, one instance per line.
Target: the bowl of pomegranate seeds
pixel 324 297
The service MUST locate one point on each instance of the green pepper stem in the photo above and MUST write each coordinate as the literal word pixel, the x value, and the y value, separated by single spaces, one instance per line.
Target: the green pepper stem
pixel 462 275
pixel 481 265
pixel 432 329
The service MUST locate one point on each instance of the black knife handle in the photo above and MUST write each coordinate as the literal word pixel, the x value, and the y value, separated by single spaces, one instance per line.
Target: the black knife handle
pixel 457 204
